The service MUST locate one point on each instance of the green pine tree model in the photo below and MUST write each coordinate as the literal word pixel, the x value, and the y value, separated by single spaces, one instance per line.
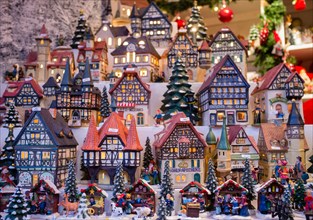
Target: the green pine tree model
pixel 287 210
pixel 70 183
pixel 17 208
pixel 119 186
pixel 161 210
pixel 80 31
pixel 175 96
pixel 12 117
pixel 167 188
pixel 148 156
pixel 82 212
pixel 211 183
pixel 299 195
pixel 247 182
pixel 105 105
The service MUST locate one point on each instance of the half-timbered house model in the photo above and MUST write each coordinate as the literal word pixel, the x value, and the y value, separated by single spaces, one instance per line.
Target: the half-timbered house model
pixel 281 142
pixel 97 195
pixel 96 52
pixel 152 23
pixel 181 144
pixel 192 191
pixel 43 148
pixel 138 51
pixel 132 97
pixel 50 87
pixel 142 195
pixel 78 98
pixel 43 62
pixel 112 144
pixel 224 93
pixel 275 92
pixel 225 43
pixel 23 93
pixel 272 189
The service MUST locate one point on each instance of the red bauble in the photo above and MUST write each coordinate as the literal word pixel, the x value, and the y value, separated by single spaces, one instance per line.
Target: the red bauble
pixel 300 5
pixel 264 34
pixel 180 23
pixel 225 15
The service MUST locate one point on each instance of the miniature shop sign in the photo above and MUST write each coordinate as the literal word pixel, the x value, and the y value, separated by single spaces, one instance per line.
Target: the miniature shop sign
pixel 278 99
pixel 185 170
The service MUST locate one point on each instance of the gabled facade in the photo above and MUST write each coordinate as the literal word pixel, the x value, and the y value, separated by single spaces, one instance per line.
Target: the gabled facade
pixel 112 144
pixel 275 92
pixel 131 96
pixel 225 43
pixel 183 146
pixel 50 87
pixel 224 93
pixel 43 148
pixel 77 98
pixel 23 93
pixel 140 52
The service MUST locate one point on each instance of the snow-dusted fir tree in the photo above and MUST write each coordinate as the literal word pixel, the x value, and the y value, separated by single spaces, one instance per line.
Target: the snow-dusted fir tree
pixel 79 31
pixel 161 210
pixel 82 212
pixel 119 186
pixel 7 159
pixel 105 110
pixel 247 182
pixel 17 208
pixel 195 26
pixel 167 188
pixel 70 183
pixel 299 195
pixel 211 183
pixel 287 210
pixel 175 99
pixel 148 156
pixel 12 117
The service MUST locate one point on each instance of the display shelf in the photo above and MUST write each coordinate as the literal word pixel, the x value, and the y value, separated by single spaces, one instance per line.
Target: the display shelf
pixel 302 51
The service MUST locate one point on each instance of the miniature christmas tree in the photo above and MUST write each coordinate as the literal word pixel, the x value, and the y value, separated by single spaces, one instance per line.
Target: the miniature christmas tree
pixel 80 31
pixel 7 158
pixel 175 99
pixel 148 156
pixel 118 187
pixel 70 183
pixel 310 169
pixel 105 105
pixel 17 207
pixel 167 188
pixel 247 182
pixel 12 117
pixel 195 26
pixel 162 210
pixel 211 183
pixel 287 210
pixel 299 195
pixel 82 212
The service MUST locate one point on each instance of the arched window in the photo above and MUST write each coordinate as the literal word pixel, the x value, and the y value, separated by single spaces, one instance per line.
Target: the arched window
pixel 110 41
pixel 119 41
pixel 140 119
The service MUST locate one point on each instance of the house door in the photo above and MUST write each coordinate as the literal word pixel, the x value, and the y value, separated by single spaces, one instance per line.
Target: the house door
pixel 76 115
pixel 196 177
pixel 230 118
pixel 213 119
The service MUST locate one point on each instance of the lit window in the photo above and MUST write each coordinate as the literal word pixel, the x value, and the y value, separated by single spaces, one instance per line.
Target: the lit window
pixel 115 141
pixel 241 116
pixel 137 59
pixel 119 41
pixel 52 72
pixel 99 39
pixel 118 73
pixel 45 155
pixel 142 98
pixel 36 121
pixel 115 60
pixel 42 42
pixel 37 135
pixel 64 59
pixel 130 98
pixel 41 66
pixel 125 43
pixel 123 60
pixel 129 117
pixel 120 155
pixel 192 150
pixel 178 179
pixel 54 59
pixel 220 116
pixel 110 41
pixel 128 12
pixel 146 58
pixel 105 28
pixel 103 155
pixel 24 155
pixel 143 72
pixel 140 119
pixel 119 99
pixel 32 135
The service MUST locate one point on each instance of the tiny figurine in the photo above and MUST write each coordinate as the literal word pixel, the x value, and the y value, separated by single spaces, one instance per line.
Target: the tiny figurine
pixel 283 171
pixel 128 204
pixel 145 175
pixel 279 111
pixel 263 208
pixel 218 204
pixel 69 206
pixel 142 212
pixel 235 205
pixel 298 168
pixel 116 211
pixel 42 205
pixel 155 176
pixel 169 204
pixel 158 117
pixel 138 200
pixel 92 201
pixel 308 201
pixel 257 112
pixel 244 205
pixel 277 168
pixel 226 204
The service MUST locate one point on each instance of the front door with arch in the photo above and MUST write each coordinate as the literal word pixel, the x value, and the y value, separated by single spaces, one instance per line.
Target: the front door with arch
pixel 196 177
pixel 103 177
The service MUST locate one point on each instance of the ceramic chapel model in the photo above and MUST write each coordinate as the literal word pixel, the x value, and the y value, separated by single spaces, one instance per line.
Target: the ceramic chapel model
pixel 183 146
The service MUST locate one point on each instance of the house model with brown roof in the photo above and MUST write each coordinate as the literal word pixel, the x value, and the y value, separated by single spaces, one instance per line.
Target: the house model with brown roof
pixel 183 146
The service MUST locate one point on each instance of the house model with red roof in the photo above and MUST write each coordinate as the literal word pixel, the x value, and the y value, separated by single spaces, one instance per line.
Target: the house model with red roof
pixel 224 93
pixel 281 142
pixel 109 146
pixel 275 92
pixel 43 62
pixel 183 146
pixel 131 97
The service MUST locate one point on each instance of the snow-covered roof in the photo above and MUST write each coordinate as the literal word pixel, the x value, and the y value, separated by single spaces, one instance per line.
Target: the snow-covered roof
pixel 268 183
pixel 52 186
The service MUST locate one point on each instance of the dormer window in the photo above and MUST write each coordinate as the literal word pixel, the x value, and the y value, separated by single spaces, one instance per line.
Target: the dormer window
pixel 105 28
pixel 125 43
pixel 61 134
pixel 64 59
pixel 283 142
pixel 54 59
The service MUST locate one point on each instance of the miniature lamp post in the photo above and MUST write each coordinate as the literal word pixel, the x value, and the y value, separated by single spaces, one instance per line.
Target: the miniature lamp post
pixel 190 99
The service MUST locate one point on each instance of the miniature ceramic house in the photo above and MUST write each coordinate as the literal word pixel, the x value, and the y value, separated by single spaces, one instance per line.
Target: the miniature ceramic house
pixel 78 98
pixel 281 142
pixel 50 87
pixel 225 43
pixel 142 195
pixel 96 52
pixel 96 197
pixel 192 191
pixel 275 91
pixel 183 146
pixel 43 148
pixel 138 51
pixel 23 93
pixel 224 93
pixel 103 150
pixel 132 97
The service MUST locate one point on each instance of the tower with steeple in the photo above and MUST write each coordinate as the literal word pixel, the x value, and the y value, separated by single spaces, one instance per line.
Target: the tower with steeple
pixel 89 38
pixel 210 150
pixel 223 152
pixel 135 21
pixel 43 42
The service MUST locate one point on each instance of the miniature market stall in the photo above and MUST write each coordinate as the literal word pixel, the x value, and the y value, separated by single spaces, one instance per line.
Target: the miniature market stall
pixel 95 196
pixel 268 191
pixel 142 194
pixel 6 193
pixel 231 187
pixel 45 197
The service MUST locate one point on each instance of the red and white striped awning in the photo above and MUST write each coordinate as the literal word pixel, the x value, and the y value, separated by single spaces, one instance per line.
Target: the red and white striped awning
pixel 125 105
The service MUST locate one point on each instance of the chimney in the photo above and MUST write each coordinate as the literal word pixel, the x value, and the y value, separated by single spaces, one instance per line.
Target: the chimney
pixel 53 109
